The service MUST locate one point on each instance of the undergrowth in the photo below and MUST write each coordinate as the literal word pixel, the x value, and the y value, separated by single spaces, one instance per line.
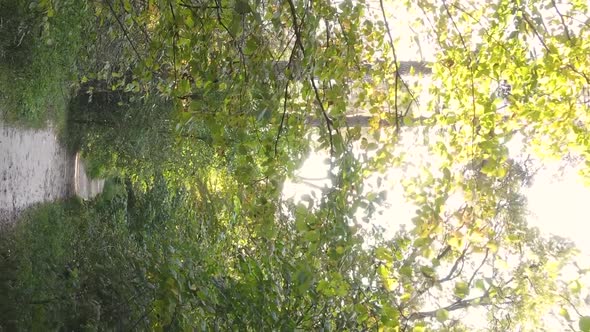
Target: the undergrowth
pixel 64 267
pixel 39 46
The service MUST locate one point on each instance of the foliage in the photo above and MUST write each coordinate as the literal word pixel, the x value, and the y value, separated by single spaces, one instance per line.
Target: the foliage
pixel 128 137
pixel 205 109
pixel 39 44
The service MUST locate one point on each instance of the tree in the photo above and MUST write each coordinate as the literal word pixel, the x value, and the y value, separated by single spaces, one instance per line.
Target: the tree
pixel 257 77
pixel 219 64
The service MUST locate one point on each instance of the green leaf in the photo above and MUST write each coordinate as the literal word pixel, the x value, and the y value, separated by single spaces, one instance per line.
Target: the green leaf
pixel 301 225
pixel 312 236
pixel 383 254
pixel 584 323
pixel 565 314
pixel 447 174
pixel 427 271
pixel 251 45
pixel 406 271
pixel 461 289
pixel 304 279
pixel 242 7
pixel 390 316
pixel 456 242
pixel 442 315
pixel 479 283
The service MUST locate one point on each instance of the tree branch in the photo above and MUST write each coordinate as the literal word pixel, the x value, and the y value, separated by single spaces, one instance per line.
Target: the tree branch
pixel 174 37
pixel 460 304
pixel 397 71
pixel 124 30
pixel 479 267
pixel 318 99
pixel 567 32
pixel 455 266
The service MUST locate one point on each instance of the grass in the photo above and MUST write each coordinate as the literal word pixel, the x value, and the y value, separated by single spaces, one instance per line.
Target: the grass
pixel 39 47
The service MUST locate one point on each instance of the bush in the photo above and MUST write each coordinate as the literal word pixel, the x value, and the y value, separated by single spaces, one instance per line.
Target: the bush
pixel 98 265
pixel 66 267
pixel 39 44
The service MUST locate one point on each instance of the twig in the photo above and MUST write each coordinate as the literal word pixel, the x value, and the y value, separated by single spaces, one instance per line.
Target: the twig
pixel 460 304
pixel 571 304
pixel 567 32
pixel 474 114
pixel 124 30
pixel 454 267
pixel 286 96
pixel 282 117
pixel 532 26
pixel 299 43
pixel 479 267
pixel 220 21
pixel 397 72
pixel 296 26
pixel 325 114
pixel 174 45
pixel 183 4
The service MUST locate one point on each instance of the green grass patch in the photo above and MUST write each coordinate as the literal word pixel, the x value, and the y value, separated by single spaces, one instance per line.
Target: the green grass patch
pixel 39 46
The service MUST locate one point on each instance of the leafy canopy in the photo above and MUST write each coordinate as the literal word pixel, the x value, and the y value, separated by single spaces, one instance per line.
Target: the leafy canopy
pixel 262 83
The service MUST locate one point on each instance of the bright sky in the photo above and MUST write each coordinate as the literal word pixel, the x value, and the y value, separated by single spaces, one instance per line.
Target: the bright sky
pixel 557 202
pixel 559 205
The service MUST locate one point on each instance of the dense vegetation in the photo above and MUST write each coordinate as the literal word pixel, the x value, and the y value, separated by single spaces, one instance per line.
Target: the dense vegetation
pixel 197 112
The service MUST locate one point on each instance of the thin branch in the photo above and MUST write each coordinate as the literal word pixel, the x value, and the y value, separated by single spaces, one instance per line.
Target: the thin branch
pixel 571 304
pixel 124 30
pixel 141 28
pixel 174 37
pixel 325 114
pixel 305 178
pixel 454 267
pixel 313 185
pixel 443 253
pixel 532 26
pixel 220 21
pixel 567 32
pixel 397 72
pixel 460 304
pixel 479 267
pixel 142 317
pixel 546 47
pixel 183 4
pixel 296 26
pixel 299 43
pixel 286 96
pixel 474 114
pixel 283 116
